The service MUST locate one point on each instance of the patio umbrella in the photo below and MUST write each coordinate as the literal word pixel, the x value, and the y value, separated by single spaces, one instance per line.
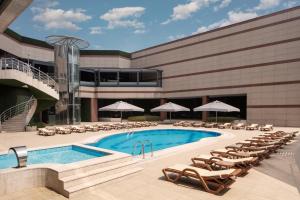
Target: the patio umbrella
pixel 121 106
pixel 217 106
pixel 170 107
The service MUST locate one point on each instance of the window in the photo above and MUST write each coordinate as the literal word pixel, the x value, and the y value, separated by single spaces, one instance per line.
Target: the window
pixel 108 78
pixel 149 78
pixel 128 78
pixel 87 78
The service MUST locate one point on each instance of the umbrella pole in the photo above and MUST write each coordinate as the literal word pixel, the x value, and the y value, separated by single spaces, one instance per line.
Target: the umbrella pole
pixel 216 117
pixel 121 116
pixel 170 116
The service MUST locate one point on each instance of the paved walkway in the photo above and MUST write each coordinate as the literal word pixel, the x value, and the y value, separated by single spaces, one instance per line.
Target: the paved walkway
pixel 272 180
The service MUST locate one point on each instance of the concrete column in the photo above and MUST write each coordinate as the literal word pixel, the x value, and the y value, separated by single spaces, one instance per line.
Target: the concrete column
pixel 94 109
pixel 163 115
pixel 204 114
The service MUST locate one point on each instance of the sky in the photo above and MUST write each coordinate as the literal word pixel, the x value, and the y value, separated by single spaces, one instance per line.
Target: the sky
pixel 132 25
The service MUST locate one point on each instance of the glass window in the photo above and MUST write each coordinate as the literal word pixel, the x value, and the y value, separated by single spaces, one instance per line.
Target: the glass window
pixel 87 78
pixel 148 78
pixel 128 78
pixel 109 78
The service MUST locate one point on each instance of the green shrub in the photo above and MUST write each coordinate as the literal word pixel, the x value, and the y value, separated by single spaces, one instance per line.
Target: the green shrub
pixel 38 124
pixel 144 118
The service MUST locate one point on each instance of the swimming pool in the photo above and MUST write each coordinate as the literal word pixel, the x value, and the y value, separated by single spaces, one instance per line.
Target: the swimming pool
pixel 160 139
pixel 61 155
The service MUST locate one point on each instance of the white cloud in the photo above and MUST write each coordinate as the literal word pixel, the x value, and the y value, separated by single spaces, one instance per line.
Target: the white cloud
pixel 184 11
pixel 139 31
pixel 175 37
pixel 233 17
pixel 289 4
pixel 51 18
pixel 126 17
pixel 96 30
pixel 267 4
pixel 223 4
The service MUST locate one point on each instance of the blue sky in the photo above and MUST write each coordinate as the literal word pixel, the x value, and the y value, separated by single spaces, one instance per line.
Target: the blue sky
pixel 131 25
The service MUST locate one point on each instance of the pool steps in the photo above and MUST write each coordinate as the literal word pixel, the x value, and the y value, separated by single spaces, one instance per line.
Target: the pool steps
pixel 72 181
pixel 80 178
pixel 75 190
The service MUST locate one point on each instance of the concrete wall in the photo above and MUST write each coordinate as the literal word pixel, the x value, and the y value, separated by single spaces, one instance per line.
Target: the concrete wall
pixel 259 58
pixel 107 61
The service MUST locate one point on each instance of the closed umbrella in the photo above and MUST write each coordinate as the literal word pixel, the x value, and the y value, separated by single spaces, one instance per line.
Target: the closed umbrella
pixel 121 106
pixel 217 106
pixel 170 107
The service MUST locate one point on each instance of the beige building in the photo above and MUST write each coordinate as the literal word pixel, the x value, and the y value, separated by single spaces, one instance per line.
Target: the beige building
pixel 255 61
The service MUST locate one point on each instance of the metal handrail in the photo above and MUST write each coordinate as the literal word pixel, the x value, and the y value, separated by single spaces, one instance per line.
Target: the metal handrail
pixel 143 143
pixel 15 64
pixel 16 110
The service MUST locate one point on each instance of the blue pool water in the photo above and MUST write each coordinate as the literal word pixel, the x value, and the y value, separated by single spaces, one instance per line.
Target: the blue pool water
pixel 61 155
pixel 161 139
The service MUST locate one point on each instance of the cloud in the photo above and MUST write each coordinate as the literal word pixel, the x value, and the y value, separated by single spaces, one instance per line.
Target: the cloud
pixel 223 4
pixel 289 4
pixel 267 4
pixel 139 31
pixel 233 17
pixel 184 11
pixel 51 18
pixel 126 17
pixel 95 30
pixel 175 37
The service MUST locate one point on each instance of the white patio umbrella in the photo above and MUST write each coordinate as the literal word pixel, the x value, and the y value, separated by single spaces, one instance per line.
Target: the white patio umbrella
pixel 217 106
pixel 121 106
pixel 169 107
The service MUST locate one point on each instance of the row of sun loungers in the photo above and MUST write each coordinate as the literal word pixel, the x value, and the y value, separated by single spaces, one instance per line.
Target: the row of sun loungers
pixel 234 126
pixel 217 171
pixel 50 131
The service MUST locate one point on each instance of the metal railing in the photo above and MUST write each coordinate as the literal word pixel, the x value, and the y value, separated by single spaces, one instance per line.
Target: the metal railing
pixel 143 145
pixel 16 110
pixel 15 64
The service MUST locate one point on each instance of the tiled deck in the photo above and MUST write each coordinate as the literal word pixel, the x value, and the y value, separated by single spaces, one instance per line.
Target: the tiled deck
pixel 276 178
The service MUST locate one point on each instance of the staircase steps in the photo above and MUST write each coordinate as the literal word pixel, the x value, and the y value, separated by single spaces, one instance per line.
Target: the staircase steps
pixel 14 124
pixel 72 191
pixel 77 180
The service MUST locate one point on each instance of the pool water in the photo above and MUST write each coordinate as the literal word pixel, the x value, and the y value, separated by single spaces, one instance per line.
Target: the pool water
pixel 61 155
pixel 161 139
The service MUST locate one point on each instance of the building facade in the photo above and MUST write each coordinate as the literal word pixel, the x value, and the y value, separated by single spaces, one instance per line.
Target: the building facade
pixel 254 64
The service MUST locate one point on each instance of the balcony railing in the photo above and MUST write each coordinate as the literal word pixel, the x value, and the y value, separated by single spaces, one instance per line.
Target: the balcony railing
pixel 14 64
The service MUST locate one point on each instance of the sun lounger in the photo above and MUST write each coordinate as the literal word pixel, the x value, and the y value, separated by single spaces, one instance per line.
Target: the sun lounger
pixel 210 125
pixel 179 123
pixel 267 127
pixel 77 129
pixel 238 126
pixel 62 130
pixel 225 125
pixel 218 163
pixel 198 124
pixel 252 127
pixel 187 124
pixel 46 132
pixel 91 128
pixel 261 154
pixel 212 181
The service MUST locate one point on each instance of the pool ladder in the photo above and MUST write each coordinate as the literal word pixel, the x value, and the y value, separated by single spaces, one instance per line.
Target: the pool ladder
pixel 129 133
pixel 143 144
